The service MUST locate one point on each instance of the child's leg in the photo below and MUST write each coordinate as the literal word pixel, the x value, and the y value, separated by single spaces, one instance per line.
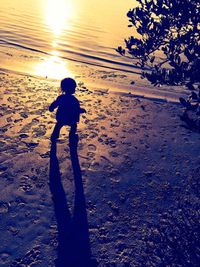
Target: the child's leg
pixel 56 131
pixel 73 129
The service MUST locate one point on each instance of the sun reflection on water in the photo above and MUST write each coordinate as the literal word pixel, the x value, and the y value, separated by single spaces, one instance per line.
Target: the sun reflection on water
pixel 53 67
pixel 57 15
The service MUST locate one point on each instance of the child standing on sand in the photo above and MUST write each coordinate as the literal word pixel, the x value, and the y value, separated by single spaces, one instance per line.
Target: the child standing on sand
pixel 68 112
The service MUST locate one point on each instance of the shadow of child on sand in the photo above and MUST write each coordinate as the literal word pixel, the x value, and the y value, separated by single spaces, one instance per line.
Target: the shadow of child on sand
pixel 73 234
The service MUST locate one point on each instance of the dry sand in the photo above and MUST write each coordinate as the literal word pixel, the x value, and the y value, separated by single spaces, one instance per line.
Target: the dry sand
pixel 140 171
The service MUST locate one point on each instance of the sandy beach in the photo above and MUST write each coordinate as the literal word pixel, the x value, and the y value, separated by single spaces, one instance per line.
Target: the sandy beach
pixel 139 180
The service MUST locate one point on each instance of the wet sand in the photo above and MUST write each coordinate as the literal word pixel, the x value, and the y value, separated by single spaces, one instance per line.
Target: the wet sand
pixel 140 170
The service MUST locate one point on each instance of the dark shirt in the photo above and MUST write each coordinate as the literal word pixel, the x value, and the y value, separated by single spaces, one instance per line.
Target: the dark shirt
pixel 68 111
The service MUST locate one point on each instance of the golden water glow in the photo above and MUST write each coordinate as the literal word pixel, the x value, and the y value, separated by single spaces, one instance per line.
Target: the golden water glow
pixel 67 23
pixel 53 67
pixel 58 14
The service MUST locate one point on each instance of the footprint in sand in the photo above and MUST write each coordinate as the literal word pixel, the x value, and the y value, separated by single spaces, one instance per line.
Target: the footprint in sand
pixel 90 155
pixel 85 165
pixel 31 257
pixel 114 154
pixel 115 123
pixel 4 258
pixel 3 168
pixel 45 155
pixel 93 135
pixel 5 128
pixel 35 120
pixel 25 184
pixel 23 135
pixel 91 147
pixel 94 166
pixel 39 131
pixel 4 207
pixel 26 128
pixel 13 230
pixel 115 179
pixel 9 119
pixel 23 115
pixel 32 145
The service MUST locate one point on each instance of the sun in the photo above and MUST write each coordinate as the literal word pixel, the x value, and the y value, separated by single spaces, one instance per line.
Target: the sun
pixel 58 14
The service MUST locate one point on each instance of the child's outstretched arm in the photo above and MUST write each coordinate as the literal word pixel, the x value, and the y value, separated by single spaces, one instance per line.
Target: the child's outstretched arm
pixel 53 105
pixel 82 110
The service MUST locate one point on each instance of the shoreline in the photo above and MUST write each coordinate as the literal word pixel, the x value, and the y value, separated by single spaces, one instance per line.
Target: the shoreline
pixel 104 88
pixel 139 169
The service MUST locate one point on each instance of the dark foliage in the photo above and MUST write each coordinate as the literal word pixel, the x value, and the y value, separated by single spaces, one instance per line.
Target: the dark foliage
pixel 166 41
pixel 175 240
pixel 171 27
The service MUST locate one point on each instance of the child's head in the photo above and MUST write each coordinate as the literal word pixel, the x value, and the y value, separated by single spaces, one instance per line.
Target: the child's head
pixel 68 85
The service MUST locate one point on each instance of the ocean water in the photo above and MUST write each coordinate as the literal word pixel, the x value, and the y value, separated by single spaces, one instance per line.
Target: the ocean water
pixel 76 38
pixel 34 34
